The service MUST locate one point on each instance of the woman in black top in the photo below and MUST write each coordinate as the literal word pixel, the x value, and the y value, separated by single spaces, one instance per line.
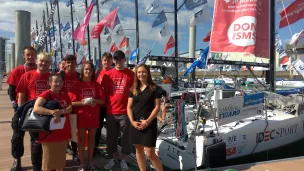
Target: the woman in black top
pixel 143 107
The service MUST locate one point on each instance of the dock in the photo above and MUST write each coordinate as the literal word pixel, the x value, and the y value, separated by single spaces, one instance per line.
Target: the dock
pixel 6 159
pixel 289 164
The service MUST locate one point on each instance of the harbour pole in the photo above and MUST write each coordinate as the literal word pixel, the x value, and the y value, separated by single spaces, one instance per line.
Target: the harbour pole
pixel 72 20
pixel 58 13
pixel 272 69
pixel 137 29
pixel 88 33
pixel 99 43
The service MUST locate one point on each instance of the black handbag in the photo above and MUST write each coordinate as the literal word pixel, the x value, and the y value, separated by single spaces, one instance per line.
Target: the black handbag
pixel 34 122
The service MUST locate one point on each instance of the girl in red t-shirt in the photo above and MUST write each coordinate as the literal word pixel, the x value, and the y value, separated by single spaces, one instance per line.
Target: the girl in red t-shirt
pixel 86 97
pixel 54 143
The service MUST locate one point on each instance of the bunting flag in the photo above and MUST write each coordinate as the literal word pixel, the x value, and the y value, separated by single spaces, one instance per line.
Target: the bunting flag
pixel 68 3
pixel 108 21
pixel 134 55
pixel 127 52
pixel 153 6
pixel 207 37
pixel 102 2
pixel 164 31
pixel 124 42
pixel 191 4
pixel 161 18
pixel 106 31
pixel 61 26
pixel 67 26
pixel 170 44
pixel 52 31
pixel 144 59
pixel 291 14
pixel 79 33
pixel 119 31
pixel 117 21
pixel 108 40
pixel 297 38
pixel 200 16
pixel 113 48
pixel 280 49
pixel 33 35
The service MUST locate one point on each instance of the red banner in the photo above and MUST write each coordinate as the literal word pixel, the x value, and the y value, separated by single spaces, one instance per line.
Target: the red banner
pixel 292 13
pixel 241 26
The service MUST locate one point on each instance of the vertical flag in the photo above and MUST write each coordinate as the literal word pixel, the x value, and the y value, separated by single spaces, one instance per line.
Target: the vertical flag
pixel 67 26
pixel 124 42
pixel 170 44
pixel 241 30
pixel 133 55
pixel 164 31
pixel 292 13
pixel 108 21
pixel 159 19
pixel 79 33
pixel 200 62
pixel 191 4
pixel 153 6
pixel 113 48
pixel 200 16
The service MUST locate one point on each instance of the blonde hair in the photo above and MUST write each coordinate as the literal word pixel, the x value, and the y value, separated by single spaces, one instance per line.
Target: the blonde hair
pixel 44 56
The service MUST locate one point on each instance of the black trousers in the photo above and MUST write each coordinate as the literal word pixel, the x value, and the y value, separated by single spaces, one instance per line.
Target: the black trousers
pixel 17 144
pixel 103 114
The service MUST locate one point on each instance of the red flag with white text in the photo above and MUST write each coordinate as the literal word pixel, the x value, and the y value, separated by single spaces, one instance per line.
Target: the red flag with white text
pixel 108 21
pixel 170 44
pixel 241 27
pixel 124 42
pixel 113 48
pixel 292 13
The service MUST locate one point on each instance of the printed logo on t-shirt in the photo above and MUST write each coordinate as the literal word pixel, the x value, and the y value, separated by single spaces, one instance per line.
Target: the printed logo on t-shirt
pixel 88 92
pixel 41 85
pixel 119 85
pixel 68 84
pixel 62 103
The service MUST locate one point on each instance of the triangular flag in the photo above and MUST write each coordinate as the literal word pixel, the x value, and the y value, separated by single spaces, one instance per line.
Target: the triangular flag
pixel 133 55
pixel 153 6
pixel 159 19
pixel 106 31
pixel 200 16
pixel 170 44
pixel 108 40
pixel 296 37
pixel 191 4
pixel 117 21
pixel 164 31
pixel 108 21
pixel 113 48
pixel 124 42
pixel 119 31
pixel 207 37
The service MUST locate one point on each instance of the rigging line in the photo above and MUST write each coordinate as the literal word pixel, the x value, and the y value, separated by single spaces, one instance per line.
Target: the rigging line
pixel 287 18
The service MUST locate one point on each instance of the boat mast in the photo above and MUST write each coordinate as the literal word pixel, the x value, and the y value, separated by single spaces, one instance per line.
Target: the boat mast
pixel 99 43
pixel 137 29
pixel 272 69
pixel 88 33
pixel 176 40
pixel 72 20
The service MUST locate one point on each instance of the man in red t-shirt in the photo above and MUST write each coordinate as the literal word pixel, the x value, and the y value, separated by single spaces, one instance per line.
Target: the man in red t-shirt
pixel 117 83
pixel 70 76
pixel 31 85
pixel 106 62
pixel 17 146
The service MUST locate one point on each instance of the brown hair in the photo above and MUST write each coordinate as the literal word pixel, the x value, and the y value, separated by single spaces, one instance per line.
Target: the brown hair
pixel 54 75
pixel 92 66
pixel 136 84
pixel 107 55
pixel 29 48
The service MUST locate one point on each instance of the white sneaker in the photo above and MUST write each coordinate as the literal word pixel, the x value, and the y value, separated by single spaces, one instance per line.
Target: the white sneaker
pixel 110 164
pixel 123 165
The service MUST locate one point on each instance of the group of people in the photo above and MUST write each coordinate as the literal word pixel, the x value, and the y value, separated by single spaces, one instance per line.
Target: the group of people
pixel 129 102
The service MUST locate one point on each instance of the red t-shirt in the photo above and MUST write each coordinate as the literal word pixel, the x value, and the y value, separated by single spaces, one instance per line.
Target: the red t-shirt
pixel 99 81
pixel 33 84
pixel 59 134
pixel 87 116
pixel 118 84
pixel 15 76
pixel 69 80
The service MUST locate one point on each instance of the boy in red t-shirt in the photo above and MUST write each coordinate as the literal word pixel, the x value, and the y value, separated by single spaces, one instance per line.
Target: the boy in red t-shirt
pixel 17 144
pixel 31 85
pixel 106 62
pixel 117 83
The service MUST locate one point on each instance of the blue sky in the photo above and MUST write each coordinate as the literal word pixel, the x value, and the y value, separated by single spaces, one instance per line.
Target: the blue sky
pixel 127 17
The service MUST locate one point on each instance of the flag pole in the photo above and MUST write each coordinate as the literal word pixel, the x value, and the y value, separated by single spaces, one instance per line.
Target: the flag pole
pixel 176 40
pixel 60 41
pixel 53 26
pixel 99 43
pixel 44 25
pixel 88 31
pixel 47 14
pixel 137 30
pixel 37 33
pixel 272 46
pixel 72 20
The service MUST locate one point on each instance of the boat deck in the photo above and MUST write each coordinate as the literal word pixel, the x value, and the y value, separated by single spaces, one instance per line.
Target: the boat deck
pixel 288 164
pixel 6 160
